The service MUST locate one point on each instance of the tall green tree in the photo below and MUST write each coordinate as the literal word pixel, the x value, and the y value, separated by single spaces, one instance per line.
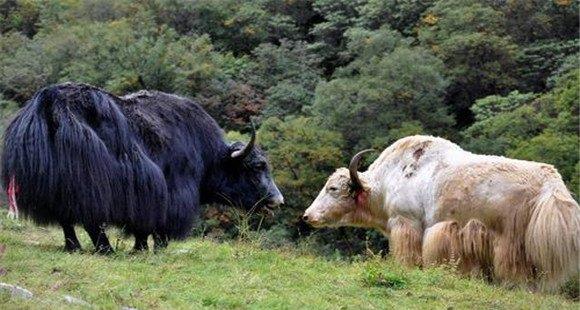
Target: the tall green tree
pixel 235 26
pixel 480 58
pixel 541 128
pixel 528 21
pixel 20 15
pixel 539 60
pixel 114 55
pixel 383 90
pixel 287 74
pixel 23 67
pixel 401 15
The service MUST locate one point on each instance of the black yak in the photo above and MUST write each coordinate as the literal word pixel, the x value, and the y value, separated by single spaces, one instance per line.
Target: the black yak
pixel 144 162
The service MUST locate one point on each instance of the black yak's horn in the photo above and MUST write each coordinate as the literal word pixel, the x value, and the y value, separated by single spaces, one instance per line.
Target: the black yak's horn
pixel 248 148
pixel 353 169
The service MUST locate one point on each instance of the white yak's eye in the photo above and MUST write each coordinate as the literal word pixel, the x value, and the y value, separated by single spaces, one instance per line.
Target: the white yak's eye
pixel 333 189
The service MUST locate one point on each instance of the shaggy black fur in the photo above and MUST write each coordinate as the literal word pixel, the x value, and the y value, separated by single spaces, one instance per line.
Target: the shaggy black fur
pixel 143 162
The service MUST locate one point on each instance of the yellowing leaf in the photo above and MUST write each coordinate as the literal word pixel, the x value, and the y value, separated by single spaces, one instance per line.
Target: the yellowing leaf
pixel 430 19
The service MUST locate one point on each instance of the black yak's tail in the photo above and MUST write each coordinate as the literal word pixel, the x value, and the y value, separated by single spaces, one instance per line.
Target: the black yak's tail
pixel 74 159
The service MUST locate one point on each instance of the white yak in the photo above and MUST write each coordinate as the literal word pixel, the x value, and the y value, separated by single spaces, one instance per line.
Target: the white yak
pixel 511 220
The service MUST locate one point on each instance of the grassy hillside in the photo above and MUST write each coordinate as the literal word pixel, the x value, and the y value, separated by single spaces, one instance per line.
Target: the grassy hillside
pixel 201 273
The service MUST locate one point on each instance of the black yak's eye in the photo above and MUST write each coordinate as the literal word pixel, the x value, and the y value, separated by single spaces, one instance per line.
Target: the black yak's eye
pixel 260 166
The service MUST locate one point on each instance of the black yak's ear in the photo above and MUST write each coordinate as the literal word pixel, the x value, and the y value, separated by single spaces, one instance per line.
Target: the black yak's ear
pixel 246 150
pixel 234 148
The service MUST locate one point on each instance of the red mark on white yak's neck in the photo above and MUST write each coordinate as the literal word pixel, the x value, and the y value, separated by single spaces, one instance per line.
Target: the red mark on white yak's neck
pixel 361 198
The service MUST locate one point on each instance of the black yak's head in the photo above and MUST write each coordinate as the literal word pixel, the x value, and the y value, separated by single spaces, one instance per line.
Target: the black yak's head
pixel 246 180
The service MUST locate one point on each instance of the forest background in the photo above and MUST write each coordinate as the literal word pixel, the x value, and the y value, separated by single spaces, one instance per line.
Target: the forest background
pixel 322 79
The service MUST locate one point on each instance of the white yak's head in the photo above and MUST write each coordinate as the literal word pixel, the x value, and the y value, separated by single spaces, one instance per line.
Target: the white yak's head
pixel 342 200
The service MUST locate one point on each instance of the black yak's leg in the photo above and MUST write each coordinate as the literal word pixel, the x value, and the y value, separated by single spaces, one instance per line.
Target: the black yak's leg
pixel 99 238
pixel 141 243
pixel 71 243
pixel 160 241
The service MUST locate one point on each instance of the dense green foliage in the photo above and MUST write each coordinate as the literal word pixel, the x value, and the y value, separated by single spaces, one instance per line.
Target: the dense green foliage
pixel 322 78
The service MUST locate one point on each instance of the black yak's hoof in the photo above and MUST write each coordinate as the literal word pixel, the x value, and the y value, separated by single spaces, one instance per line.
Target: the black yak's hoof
pixel 140 247
pixel 71 248
pixel 158 249
pixel 159 246
pixel 105 250
pixel 160 242
pixel 140 244
pixel 72 245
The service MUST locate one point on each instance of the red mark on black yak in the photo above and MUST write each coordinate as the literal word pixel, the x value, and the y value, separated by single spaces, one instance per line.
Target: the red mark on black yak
pixel 11 192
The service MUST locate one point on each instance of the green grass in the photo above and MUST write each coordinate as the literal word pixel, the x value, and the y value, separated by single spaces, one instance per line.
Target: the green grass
pixel 202 273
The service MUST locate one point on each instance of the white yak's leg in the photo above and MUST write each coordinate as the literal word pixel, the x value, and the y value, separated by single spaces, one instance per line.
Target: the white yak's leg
pixel 405 241
pixel 476 243
pixel 441 244
pixel 509 261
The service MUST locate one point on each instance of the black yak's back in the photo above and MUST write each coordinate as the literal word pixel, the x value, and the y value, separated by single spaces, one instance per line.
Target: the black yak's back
pixel 165 120
pixel 75 159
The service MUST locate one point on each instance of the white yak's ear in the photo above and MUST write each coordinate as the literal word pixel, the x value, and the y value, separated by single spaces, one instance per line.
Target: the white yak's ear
pixel 362 188
pixel 361 194
pixel 365 186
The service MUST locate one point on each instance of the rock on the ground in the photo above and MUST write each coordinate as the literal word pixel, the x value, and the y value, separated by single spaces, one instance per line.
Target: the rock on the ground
pixel 77 301
pixel 181 251
pixel 16 291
